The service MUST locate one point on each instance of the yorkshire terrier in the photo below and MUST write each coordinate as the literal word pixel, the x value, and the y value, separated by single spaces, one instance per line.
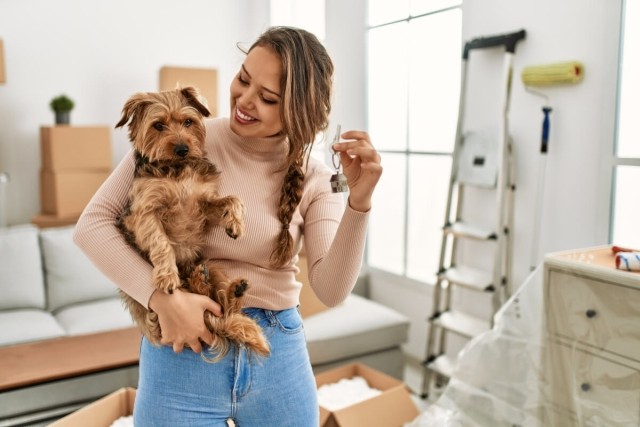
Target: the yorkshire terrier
pixel 173 204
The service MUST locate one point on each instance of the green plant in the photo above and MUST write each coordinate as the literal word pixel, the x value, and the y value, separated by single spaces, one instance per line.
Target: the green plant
pixel 61 103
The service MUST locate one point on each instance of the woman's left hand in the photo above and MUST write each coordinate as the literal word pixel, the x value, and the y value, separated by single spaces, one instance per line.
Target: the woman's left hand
pixel 361 166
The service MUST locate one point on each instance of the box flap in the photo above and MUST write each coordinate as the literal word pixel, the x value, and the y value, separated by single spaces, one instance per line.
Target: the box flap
pixel 392 408
pixel 103 412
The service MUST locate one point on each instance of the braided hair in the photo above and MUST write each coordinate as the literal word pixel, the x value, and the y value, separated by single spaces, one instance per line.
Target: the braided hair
pixel 306 83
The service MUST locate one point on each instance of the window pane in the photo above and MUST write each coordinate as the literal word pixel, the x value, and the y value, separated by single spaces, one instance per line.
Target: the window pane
pixel 385 243
pixel 382 11
pixel 628 140
pixel 434 81
pixel 428 186
pixel 418 7
pixel 626 221
pixel 387 86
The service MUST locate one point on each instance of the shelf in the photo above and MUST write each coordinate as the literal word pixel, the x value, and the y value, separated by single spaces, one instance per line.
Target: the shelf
pixel 460 229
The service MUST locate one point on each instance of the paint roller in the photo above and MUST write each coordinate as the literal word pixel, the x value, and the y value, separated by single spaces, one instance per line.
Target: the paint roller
pixel 562 73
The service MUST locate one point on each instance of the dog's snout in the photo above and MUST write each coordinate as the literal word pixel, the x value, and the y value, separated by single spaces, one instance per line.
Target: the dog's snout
pixel 181 150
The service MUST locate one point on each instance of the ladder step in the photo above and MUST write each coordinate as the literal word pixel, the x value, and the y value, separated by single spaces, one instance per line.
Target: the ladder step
pixel 462 323
pixel 443 365
pixel 469 277
pixel 460 229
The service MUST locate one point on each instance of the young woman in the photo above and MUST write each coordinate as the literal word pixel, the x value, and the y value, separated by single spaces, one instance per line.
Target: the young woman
pixel 280 101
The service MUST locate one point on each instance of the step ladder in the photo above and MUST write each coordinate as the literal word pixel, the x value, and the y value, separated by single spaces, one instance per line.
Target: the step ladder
pixel 482 170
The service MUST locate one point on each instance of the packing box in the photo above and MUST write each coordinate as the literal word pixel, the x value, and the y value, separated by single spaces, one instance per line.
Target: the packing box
pixel 205 79
pixel 102 412
pixel 392 408
pixel 75 148
pixel 65 194
pixel 46 221
pixel 309 302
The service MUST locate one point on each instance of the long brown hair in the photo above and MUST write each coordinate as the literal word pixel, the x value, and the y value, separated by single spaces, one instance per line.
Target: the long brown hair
pixel 306 83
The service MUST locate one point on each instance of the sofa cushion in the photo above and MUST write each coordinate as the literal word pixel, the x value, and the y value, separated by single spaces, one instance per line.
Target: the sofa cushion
pixel 21 279
pixel 19 326
pixel 95 316
pixel 358 326
pixel 71 277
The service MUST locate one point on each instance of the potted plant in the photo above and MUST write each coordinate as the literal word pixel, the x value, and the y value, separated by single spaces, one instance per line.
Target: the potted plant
pixel 62 106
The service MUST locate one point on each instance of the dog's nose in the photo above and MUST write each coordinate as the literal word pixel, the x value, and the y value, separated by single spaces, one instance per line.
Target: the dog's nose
pixel 181 150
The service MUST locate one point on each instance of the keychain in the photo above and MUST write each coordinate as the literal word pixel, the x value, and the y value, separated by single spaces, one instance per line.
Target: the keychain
pixel 338 180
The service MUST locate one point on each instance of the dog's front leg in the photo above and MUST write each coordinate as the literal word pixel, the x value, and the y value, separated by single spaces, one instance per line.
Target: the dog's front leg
pixel 151 237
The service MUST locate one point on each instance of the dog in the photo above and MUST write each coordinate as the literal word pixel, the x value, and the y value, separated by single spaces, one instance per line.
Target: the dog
pixel 173 204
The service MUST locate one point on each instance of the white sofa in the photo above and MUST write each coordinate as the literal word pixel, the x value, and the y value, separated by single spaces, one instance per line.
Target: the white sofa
pixel 50 289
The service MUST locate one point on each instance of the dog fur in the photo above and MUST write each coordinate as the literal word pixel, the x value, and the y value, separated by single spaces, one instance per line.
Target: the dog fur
pixel 173 205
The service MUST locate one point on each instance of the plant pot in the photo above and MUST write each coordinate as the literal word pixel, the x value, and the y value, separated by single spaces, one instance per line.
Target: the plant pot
pixel 63 117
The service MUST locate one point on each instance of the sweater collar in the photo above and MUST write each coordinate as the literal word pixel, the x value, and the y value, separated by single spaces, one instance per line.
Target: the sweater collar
pixel 268 148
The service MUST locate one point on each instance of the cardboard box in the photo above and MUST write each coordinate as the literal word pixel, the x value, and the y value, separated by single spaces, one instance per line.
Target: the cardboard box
pixel 103 412
pixel 309 302
pixel 65 194
pixel 66 148
pixel 3 76
pixel 205 79
pixel 46 221
pixel 392 408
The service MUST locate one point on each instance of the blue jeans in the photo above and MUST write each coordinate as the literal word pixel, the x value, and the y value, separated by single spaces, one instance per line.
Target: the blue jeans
pixel 181 389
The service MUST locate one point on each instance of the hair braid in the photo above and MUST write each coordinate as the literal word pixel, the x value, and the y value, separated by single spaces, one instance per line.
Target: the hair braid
pixel 289 200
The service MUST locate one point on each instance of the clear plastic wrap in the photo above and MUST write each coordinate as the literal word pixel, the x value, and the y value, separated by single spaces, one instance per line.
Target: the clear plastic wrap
pixel 565 356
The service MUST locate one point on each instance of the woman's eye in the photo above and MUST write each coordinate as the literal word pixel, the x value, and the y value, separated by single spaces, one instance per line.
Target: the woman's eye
pixel 187 123
pixel 269 101
pixel 242 81
pixel 158 126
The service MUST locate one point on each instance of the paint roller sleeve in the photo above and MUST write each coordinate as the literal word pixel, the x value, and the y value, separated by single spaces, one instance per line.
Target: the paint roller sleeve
pixel 551 74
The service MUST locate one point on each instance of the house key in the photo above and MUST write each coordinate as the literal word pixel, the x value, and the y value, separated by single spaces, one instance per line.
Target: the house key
pixel 338 180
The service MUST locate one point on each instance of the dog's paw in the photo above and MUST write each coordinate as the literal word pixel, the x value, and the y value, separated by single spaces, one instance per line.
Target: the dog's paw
pixel 232 219
pixel 167 282
pixel 239 288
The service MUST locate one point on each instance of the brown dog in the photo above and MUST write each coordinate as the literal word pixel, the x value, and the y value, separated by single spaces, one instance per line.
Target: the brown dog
pixel 173 204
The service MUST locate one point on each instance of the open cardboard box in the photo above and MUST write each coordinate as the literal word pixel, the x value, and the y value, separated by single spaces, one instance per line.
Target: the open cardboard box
pixel 392 408
pixel 102 412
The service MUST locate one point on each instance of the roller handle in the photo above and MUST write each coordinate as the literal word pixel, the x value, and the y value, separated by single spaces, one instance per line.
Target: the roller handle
pixel 507 40
pixel 545 130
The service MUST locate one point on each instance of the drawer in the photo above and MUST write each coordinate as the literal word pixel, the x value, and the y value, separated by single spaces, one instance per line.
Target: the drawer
pixel 595 313
pixel 597 391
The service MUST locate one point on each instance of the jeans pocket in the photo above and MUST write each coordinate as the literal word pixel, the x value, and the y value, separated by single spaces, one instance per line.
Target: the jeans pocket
pixel 289 321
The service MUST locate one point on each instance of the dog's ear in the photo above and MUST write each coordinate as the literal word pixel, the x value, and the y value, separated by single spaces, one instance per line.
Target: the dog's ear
pixel 191 93
pixel 134 110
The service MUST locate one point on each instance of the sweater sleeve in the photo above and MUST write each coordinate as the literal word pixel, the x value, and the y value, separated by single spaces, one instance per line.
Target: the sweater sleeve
pixel 334 264
pixel 98 236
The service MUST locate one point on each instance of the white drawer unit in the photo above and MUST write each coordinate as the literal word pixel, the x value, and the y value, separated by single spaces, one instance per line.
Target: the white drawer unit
pixel 592 360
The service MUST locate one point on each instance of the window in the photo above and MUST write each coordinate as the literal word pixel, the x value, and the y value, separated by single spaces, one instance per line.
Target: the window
pixel 625 228
pixel 413 71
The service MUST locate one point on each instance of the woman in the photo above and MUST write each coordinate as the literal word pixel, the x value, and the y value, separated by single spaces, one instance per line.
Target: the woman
pixel 280 100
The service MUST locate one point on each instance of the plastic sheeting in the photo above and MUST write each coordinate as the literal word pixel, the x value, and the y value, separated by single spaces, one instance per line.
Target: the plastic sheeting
pixel 518 375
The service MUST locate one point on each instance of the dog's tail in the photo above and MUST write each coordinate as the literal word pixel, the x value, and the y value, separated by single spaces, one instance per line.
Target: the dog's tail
pixel 235 329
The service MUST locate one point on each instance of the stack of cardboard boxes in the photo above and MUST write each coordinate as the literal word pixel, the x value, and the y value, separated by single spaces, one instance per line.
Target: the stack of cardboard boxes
pixel 76 160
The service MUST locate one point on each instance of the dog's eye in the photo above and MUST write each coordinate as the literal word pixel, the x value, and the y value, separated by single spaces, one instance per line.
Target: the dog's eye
pixel 158 126
pixel 187 123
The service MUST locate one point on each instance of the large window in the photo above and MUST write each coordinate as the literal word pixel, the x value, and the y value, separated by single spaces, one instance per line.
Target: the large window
pixel 414 54
pixel 626 203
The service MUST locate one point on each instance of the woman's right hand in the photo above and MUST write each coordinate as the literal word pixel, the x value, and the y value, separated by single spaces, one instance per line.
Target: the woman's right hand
pixel 181 317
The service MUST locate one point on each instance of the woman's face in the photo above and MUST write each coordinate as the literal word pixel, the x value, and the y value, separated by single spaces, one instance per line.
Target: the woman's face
pixel 255 95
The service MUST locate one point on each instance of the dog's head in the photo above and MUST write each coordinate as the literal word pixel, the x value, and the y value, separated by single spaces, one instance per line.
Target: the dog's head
pixel 166 125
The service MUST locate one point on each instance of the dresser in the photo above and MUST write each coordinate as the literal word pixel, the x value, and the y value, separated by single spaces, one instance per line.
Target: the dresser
pixel 591 365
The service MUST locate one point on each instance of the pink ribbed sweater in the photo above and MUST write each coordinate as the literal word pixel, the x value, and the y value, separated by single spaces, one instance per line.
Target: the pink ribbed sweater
pixel 334 237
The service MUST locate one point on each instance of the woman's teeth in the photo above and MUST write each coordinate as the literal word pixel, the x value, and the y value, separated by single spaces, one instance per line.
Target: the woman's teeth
pixel 244 116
